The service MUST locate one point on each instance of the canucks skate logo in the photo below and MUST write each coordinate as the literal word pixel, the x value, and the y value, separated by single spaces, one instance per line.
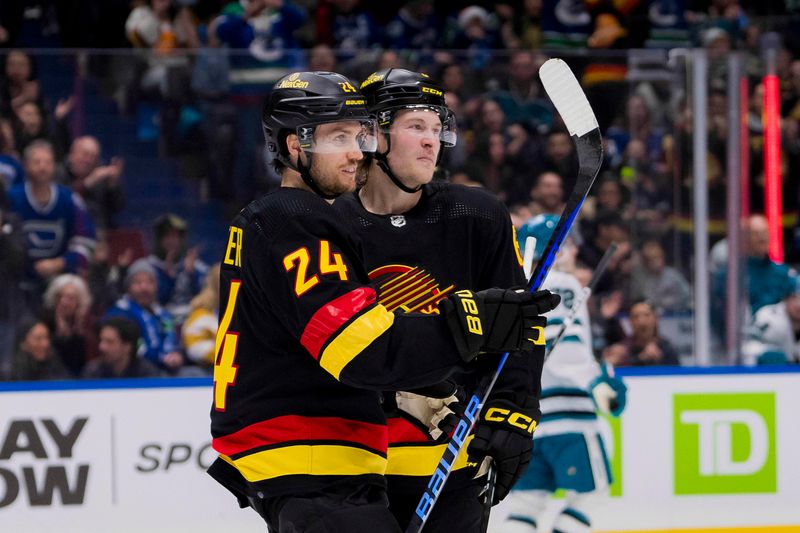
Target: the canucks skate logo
pixel 398 221
pixel 408 289
pixel 384 117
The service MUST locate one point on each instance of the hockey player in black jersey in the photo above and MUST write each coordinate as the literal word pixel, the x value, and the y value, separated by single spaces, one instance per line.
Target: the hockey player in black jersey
pixel 304 348
pixel 423 241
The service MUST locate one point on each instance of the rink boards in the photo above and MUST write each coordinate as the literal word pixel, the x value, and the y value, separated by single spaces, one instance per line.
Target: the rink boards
pixel 695 450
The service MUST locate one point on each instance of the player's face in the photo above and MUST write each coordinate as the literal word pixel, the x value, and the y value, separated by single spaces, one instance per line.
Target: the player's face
pixel 337 151
pixel 415 145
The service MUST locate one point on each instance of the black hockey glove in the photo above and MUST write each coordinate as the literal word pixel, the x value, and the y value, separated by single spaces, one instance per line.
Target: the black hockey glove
pixel 505 433
pixel 497 320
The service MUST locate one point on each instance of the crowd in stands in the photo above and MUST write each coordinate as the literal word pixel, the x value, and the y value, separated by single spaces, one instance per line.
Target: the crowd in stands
pixel 75 303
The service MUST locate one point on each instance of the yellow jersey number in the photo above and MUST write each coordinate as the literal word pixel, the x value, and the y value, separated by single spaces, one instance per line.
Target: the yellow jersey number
pixel 225 350
pixel 300 259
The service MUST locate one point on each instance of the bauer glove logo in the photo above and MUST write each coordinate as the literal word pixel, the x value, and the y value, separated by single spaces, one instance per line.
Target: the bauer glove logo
pixel 471 312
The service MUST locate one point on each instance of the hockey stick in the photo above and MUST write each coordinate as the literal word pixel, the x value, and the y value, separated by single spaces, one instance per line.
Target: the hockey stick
pixel 582 297
pixel 570 102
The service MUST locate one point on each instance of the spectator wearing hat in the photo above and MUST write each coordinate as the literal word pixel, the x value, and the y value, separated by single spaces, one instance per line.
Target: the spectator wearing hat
pixel 159 338
pixel 179 272
pixel 774 336
pixel 478 34
pixel 119 337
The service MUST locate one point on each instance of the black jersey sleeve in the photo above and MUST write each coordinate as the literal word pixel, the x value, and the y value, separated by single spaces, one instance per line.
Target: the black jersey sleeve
pixel 312 276
pixel 502 267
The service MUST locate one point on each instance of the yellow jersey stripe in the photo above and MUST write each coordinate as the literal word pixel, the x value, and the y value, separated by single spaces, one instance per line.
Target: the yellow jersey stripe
pixel 354 338
pixel 317 460
pixel 421 460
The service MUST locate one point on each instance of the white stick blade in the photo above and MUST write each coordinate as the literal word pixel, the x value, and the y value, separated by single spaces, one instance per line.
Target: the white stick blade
pixel 527 257
pixel 567 96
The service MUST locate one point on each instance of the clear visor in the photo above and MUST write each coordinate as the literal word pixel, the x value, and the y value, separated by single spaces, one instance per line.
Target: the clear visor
pixel 339 137
pixel 416 120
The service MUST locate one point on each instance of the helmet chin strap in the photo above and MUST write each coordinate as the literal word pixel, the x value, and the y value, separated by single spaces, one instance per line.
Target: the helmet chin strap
pixel 305 173
pixel 383 163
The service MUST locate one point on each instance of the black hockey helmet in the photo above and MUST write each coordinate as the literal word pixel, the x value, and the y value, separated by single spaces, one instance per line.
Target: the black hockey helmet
pixel 301 101
pixel 389 91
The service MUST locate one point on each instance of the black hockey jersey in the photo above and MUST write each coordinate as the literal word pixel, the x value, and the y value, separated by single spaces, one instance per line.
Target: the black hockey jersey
pixel 455 238
pixel 302 350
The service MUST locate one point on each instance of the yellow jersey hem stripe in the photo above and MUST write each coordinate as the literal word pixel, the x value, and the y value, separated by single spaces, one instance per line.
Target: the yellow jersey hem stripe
pixel 421 460
pixel 314 460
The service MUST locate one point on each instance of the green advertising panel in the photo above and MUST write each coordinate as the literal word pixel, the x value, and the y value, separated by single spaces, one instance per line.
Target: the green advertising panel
pixel 724 443
pixel 615 453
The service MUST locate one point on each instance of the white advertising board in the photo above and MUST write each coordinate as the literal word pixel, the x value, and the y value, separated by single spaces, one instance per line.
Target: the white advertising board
pixel 125 459
pixel 693 450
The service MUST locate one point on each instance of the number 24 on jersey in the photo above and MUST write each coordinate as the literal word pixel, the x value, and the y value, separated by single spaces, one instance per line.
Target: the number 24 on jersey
pixel 300 260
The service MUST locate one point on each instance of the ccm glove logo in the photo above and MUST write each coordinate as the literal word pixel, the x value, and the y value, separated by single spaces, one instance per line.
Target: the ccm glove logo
pixel 512 418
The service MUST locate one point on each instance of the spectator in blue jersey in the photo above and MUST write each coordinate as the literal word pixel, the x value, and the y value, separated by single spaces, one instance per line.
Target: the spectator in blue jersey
pixel 346 26
pixel 58 230
pixel 179 272
pixel 415 27
pixel 11 171
pixel 99 185
pixel 159 339
pixel 265 27
pixel 119 337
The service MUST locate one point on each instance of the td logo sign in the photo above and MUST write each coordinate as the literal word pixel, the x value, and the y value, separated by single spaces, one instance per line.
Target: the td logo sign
pixel 724 443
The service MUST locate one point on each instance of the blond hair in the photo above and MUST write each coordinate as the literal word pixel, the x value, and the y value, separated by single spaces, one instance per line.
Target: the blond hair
pixel 208 297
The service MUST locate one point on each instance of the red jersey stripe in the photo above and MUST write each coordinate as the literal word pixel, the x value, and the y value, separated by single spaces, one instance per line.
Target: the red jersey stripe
pixel 330 317
pixel 401 430
pixel 291 428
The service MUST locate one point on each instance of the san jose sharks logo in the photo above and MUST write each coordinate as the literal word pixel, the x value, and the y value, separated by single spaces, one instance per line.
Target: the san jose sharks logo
pixel 409 289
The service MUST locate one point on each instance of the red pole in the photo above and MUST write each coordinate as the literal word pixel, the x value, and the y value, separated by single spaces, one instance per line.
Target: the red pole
pixel 772 167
